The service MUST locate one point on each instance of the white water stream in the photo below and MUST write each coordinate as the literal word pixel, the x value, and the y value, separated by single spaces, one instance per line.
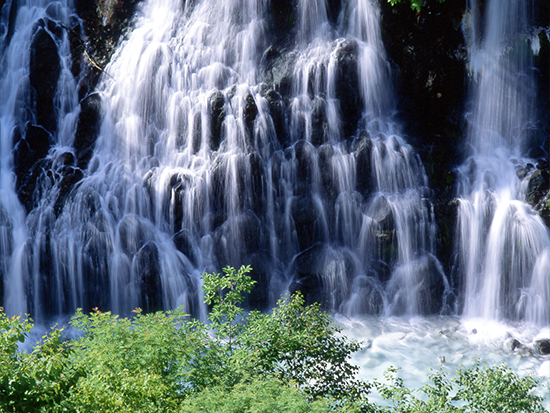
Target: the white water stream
pixel 194 170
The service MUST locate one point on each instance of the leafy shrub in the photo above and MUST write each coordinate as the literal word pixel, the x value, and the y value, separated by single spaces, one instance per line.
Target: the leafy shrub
pixel 38 381
pixel 132 364
pixel 255 396
pixel 480 388
pixel 292 360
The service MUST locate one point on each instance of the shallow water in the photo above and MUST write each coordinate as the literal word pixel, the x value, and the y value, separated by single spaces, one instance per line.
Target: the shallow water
pixel 416 344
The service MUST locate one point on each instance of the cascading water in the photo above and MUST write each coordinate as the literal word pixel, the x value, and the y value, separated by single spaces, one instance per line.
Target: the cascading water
pixel 28 128
pixel 223 139
pixel 216 149
pixel 503 245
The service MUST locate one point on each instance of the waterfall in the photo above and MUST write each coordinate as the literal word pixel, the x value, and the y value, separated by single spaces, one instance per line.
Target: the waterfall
pixel 27 129
pixel 223 140
pixel 503 244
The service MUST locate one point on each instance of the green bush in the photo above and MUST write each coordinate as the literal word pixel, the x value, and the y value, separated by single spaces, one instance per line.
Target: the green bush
pixel 38 381
pixel 291 360
pixel 255 396
pixel 485 389
pixel 132 364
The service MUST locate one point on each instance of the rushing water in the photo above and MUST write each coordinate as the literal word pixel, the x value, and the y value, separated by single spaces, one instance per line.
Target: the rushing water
pixel 503 245
pixel 226 141
pixel 201 163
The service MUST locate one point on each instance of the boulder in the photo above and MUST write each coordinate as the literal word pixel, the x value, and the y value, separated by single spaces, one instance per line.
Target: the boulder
pixel 277 112
pixel 347 79
pixel 29 162
pixel 363 163
pixel 44 71
pixel 133 233
pixel 147 269
pixel 87 129
pixel 543 346
pixel 217 116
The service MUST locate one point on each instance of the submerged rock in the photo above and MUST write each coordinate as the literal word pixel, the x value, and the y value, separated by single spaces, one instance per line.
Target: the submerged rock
pixel 543 346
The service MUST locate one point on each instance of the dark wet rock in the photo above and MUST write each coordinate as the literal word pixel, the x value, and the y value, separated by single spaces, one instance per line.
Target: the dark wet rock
pixel 326 152
pixel 308 266
pixel 538 194
pixel 12 17
pixel 542 13
pixel 44 71
pixel 70 178
pixel 428 284
pixel 322 275
pixel 262 264
pixel 133 233
pixel 238 237
pixel 28 158
pixel 428 53
pixel 147 269
pixel 284 16
pixel 319 126
pixel 278 70
pixel 77 44
pixel 250 112
pixel 310 286
pixel 277 111
pixel 217 116
pixel 543 346
pixel 197 132
pixel 95 258
pixel 176 193
pixel 305 214
pixel 87 130
pixel 305 155
pixel 428 47
pixel 334 8
pixel 257 183
pixel 183 240
pixel 347 80
pixel 363 159
pixel 367 296
pixel 521 172
pixel 512 344
pixel 105 23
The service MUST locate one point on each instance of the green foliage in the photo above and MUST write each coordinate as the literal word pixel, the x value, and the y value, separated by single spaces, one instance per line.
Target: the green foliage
pixel 224 293
pixel 38 381
pixel 296 343
pixel 256 396
pixel 133 364
pixel 415 4
pixel 292 360
pixel 302 344
pixel 478 389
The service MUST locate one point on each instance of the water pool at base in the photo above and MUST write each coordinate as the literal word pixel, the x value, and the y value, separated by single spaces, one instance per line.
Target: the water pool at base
pixel 417 345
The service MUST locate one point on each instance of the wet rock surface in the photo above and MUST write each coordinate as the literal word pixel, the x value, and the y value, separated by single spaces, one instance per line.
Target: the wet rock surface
pixel 105 22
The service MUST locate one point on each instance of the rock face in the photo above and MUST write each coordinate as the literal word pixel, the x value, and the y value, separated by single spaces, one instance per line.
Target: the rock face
pixel 428 52
pixel 44 74
pixel 543 346
pixel 87 129
pixel 104 21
